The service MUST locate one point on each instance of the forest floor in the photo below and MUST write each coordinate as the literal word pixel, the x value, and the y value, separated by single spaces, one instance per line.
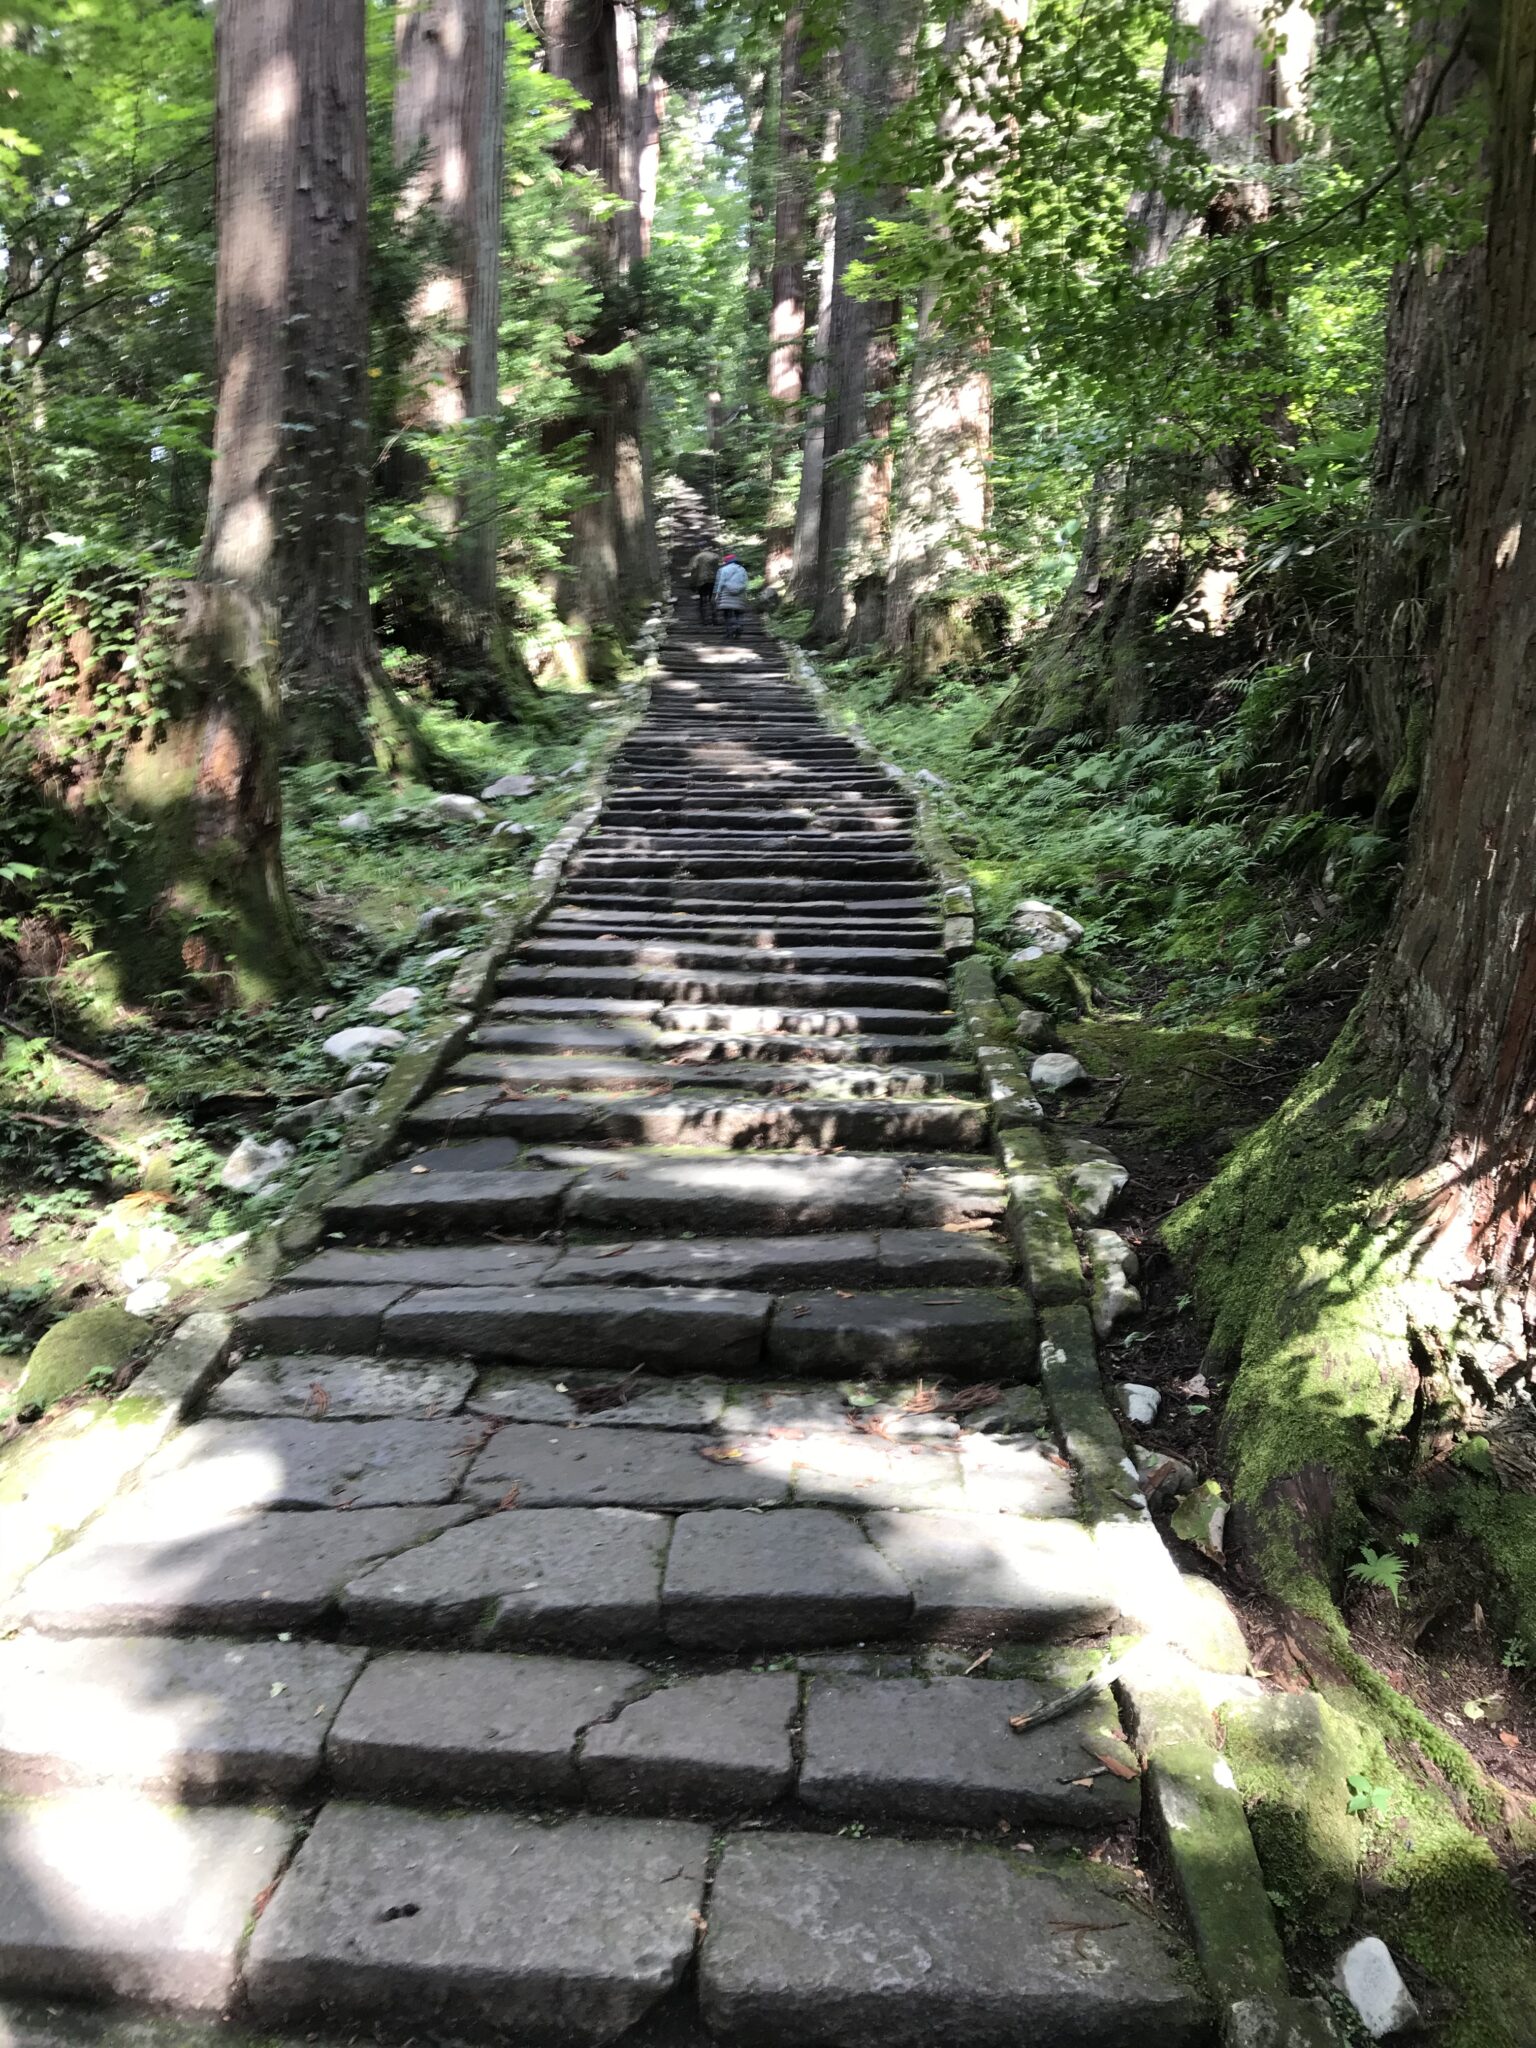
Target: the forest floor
pixel 117 1121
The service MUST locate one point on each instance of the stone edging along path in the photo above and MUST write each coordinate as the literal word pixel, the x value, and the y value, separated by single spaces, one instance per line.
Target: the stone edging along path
pixel 626 1576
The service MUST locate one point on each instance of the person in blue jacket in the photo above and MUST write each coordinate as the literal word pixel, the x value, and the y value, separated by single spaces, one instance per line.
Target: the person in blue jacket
pixel 731 596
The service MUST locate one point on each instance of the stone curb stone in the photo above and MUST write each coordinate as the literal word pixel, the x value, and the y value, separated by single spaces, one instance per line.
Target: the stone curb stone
pixel 1037 1222
pixel 806 1575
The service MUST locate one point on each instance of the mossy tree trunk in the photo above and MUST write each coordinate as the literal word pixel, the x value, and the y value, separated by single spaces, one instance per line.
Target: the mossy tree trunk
pixel 793 194
pixel 1369 1255
pixel 449 115
pixel 806 543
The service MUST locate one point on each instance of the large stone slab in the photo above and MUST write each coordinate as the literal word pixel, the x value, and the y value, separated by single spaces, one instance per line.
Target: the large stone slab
pixel 471 1725
pixel 793 1575
pixel 586 1576
pixel 591 1466
pixel 713 1744
pixel 849 1470
pixel 569 1934
pixel 714 1329
pixel 837 1943
pixel 316 1319
pixel 627 1403
pixel 980 1575
pixel 966 1333
pixel 766 1264
pixel 941 1750
pixel 953 1193
pixel 427 1265
pixel 1015 1475
pixel 940 1259
pixel 741 1196
pixel 246 1574
pixel 437 1203
pixel 342 1389
pixel 169 1716
pixel 304 1464
pixel 102 1894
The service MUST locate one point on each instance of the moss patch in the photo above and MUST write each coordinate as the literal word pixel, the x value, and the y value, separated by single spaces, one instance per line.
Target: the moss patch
pixel 89 1345
pixel 1185 1086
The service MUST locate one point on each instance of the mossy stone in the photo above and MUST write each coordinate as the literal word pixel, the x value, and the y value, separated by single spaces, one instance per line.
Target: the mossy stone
pixel 1292 1755
pixel 1050 983
pixel 99 1339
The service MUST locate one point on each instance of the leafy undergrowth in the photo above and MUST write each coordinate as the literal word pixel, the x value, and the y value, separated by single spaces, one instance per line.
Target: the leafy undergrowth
pixel 117 1121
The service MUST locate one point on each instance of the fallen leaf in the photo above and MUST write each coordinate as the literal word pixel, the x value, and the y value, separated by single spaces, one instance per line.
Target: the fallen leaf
pixel 319 1400
pixel 1509 1738
pixel 733 1454
pixel 510 1498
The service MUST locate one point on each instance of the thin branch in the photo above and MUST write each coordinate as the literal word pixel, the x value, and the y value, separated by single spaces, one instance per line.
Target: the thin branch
pixel 95 230
pixel 1355 201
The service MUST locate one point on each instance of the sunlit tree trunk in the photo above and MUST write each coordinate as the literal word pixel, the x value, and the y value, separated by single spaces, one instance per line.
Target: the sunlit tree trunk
pixel 449 116
pixel 786 297
pixel 807 534
pixel 594 45
pixel 856 491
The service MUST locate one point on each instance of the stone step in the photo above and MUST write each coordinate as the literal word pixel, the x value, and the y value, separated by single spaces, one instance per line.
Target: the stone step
pixel 846 958
pixel 967 1332
pixel 681 985
pixel 756 934
pixel 867 914
pixel 913 1258
pixel 700 1116
pixel 177 1718
pixel 564 1039
pixel 734 865
pixel 660 1196
pixel 620 1076
pixel 771 891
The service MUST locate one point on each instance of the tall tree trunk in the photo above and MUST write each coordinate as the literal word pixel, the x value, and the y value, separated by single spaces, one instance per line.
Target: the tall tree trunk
pixel 856 490
pixel 449 116
pixel 941 484
pixel 806 552
pixel 288 497
pixel 594 46
pixel 786 297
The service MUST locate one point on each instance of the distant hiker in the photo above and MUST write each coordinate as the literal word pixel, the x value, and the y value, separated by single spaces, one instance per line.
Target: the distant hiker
pixel 701 581
pixel 731 596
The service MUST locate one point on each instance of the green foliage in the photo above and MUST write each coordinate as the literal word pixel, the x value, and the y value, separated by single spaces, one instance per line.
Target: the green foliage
pixel 1370 1801
pixel 1380 1568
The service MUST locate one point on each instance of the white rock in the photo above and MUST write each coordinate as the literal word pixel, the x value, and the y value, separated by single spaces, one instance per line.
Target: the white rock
pixel 927 776
pixel 1139 1403
pixel 395 1002
pixel 1092 1179
pixel 1373 1984
pixel 321 1010
pixel 360 1039
pixel 509 829
pixel 1034 1029
pixel 355 821
pixel 252 1165
pixel 509 785
pixel 442 957
pixel 467 809
pixel 1041 924
pixel 149 1295
pixel 366 1071
pixel 1113 1267
pixel 1057 1070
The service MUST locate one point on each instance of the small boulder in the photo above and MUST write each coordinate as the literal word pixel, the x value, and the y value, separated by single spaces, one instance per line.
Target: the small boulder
pixel 360 1039
pixel 509 785
pixel 464 810
pixel 395 1002
pixel 929 780
pixel 1373 1984
pixel 1047 981
pixel 443 917
pixel 350 1102
pixel 442 957
pixel 1035 1030
pixel 365 1073
pixel 1113 1267
pixel 1138 1403
pixel 1042 927
pixel 147 1297
pixel 355 821
pixel 512 833
pixel 93 1341
pixel 1091 1178
pixel 1160 1476
pixel 253 1166
pixel 302 1118
pixel 1057 1070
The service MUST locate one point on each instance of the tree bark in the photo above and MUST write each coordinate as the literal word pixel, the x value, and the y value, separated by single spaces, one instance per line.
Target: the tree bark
pixel 786 298
pixel 449 114
pixel 856 490
pixel 806 549
pixel 1455 997
pixel 594 45
pixel 288 496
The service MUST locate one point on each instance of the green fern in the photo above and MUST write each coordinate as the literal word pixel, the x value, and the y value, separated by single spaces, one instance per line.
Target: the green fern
pixel 1380 1568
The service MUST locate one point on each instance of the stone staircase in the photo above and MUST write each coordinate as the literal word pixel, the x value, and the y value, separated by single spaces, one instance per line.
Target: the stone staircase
pixel 595 1602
